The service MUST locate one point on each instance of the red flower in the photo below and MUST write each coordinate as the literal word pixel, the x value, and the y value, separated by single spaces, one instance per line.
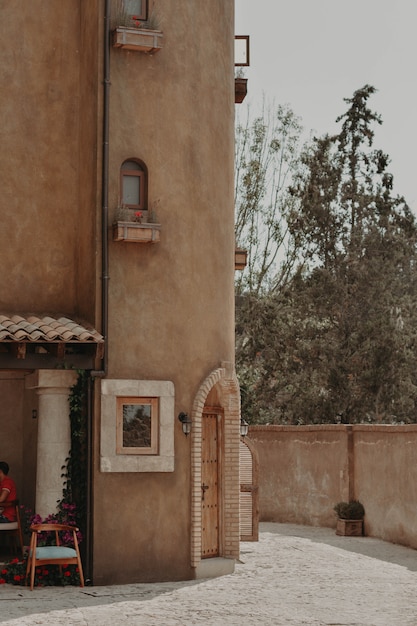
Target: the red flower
pixel 14 561
pixel 17 577
pixel 4 571
pixel 2 581
pixel 67 573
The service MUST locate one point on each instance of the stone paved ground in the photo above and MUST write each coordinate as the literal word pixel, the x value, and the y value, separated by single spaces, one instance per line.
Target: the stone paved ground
pixel 294 575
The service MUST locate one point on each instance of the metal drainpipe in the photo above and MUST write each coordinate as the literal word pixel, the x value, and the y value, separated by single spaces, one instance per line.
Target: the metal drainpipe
pixel 105 193
pixel 104 285
pixel 88 514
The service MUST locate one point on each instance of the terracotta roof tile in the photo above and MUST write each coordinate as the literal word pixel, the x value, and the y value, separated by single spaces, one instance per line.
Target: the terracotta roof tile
pixel 43 329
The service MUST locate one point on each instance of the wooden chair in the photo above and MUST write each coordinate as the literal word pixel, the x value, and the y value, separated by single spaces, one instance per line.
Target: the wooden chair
pixel 14 528
pixel 57 554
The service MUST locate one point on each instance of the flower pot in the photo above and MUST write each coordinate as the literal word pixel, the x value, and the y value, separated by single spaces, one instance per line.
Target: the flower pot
pixel 139 39
pixel 241 257
pixel 349 527
pixel 136 233
pixel 241 89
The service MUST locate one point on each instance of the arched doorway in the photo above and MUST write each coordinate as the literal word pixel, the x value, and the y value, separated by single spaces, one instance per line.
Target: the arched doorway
pixel 249 491
pixel 215 474
pixel 211 481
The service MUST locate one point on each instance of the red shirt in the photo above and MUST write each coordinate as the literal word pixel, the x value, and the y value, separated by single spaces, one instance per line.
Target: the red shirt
pixel 9 511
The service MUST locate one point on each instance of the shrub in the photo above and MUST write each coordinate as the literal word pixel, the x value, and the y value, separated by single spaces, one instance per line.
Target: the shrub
pixel 14 573
pixel 349 510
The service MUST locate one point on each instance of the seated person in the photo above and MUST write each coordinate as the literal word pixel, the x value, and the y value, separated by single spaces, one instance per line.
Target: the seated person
pixel 7 494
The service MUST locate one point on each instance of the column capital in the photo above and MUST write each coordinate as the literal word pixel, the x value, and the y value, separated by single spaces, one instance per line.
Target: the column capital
pixel 57 379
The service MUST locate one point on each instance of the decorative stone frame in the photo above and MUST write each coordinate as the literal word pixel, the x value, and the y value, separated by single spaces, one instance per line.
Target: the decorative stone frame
pixel 224 379
pixel 163 461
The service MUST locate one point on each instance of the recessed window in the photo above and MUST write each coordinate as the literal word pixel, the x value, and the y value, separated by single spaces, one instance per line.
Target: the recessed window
pixel 242 50
pixel 137 425
pixel 133 185
pixel 138 8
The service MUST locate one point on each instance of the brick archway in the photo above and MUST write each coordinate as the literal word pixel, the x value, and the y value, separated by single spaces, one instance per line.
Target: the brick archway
pixel 224 381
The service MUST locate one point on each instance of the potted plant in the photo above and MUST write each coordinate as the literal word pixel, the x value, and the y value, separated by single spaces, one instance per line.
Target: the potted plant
pixel 133 33
pixel 349 518
pixel 241 258
pixel 241 86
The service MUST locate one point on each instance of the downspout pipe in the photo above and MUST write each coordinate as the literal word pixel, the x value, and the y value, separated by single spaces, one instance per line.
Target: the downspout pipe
pixel 105 193
pixel 104 281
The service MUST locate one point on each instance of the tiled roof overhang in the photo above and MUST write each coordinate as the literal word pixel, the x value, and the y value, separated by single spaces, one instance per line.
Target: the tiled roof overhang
pixel 48 342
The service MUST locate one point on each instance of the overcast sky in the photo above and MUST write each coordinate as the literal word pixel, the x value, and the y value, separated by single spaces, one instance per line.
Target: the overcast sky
pixel 313 53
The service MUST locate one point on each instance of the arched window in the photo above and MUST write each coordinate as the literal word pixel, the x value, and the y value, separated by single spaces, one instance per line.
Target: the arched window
pixel 137 8
pixel 134 185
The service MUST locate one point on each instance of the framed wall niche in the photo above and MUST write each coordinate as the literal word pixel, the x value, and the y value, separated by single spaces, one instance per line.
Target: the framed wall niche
pixel 137 425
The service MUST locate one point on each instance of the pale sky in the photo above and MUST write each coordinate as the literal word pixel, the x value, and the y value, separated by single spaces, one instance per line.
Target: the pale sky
pixel 313 53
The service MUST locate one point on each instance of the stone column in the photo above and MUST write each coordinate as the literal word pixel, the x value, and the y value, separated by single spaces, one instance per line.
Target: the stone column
pixel 54 434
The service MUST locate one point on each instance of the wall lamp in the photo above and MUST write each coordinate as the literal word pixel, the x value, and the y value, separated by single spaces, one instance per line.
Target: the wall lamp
pixel 186 422
pixel 244 427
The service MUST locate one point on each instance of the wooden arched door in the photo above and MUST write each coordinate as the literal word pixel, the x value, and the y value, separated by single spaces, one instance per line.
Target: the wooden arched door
pixel 211 457
pixel 249 492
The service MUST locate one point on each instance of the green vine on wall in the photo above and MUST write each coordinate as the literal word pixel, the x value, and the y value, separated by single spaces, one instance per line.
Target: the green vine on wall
pixel 75 470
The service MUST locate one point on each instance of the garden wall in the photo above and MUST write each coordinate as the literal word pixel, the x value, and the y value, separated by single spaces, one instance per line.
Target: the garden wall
pixel 305 470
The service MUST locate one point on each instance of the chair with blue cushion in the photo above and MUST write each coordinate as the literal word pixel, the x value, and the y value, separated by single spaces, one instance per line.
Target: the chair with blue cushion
pixel 57 554
pixel 13 528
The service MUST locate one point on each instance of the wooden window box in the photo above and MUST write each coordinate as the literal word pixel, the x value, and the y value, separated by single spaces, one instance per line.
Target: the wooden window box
pixel 139 39
pixel 241 258
pixel 136 233
pixel 241 89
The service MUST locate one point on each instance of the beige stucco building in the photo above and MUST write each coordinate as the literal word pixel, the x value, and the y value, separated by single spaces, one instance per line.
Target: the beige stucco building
pixel 117 257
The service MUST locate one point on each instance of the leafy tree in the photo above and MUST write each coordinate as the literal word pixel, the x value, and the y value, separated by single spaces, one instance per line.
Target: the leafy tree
pixel 337 341
pixel 266 158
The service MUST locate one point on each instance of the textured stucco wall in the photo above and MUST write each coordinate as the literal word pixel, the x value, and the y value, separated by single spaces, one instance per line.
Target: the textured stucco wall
pixel 386 481
pixel 304 471
pixel 171 305
pixel 47 206
pixel 11 426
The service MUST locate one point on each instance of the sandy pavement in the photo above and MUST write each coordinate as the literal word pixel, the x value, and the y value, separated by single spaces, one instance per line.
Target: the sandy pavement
pixel 295 575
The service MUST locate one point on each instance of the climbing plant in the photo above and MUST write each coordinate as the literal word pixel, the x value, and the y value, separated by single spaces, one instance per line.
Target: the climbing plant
pixel 75 469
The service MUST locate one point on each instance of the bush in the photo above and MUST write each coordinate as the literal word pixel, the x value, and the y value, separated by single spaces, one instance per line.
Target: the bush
pixel 349 510
pixel 14 573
